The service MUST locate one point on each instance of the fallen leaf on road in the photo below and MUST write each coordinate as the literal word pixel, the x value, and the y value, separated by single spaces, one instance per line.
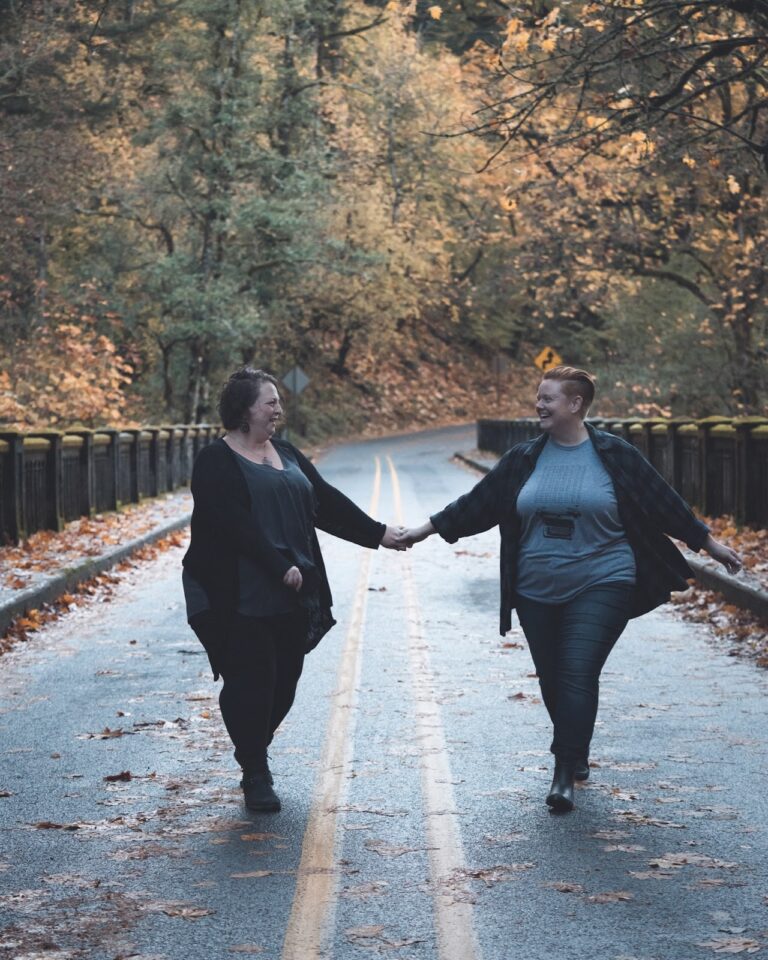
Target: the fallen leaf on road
pixel 251 875
pixel 504 838
pixel 122 777
pixel 106 734
pixel 360 808
pixel 258 837
pixel 630 765
pixel 651 874
pixel 489 875
pixel 674 861
pixel 611 896
pixel 563 887
pixel 731 945
pixel 5 793
pixel 623 848
pixel 610 834
pixel 50 825
pixel 385 849
pixel 187 913
pixel 365 890
pixel 643 820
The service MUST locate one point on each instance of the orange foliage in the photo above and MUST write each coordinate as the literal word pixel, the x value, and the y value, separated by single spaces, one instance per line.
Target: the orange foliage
pixel 64 372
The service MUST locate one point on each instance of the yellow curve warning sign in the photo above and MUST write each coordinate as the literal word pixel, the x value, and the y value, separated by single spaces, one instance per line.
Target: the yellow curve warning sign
pixel 547 359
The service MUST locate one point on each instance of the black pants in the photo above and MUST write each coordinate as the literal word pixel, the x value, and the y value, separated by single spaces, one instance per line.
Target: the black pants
pixel 569 643
pixel 261 669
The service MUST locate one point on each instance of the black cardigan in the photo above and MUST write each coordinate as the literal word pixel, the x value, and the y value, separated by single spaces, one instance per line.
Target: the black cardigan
pixel 222 525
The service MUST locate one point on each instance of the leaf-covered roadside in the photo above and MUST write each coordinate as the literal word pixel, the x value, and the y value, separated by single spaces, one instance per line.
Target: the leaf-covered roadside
pixel 48 552
pixel 745 633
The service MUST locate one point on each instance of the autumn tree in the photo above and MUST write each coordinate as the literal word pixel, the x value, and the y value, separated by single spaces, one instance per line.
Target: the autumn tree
pixel 632 139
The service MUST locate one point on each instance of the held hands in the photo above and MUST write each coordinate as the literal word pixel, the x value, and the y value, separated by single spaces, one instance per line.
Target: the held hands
pixel 725 555
pixel 403 538
pixel 392 539
pixel 411 535
pixel 293 579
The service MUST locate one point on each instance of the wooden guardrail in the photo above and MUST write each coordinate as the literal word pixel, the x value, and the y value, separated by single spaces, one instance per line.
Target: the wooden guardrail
pixel 50 478
pixel 718 464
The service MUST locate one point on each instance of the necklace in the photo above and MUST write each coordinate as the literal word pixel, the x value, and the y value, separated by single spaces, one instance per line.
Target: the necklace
pixel 250 454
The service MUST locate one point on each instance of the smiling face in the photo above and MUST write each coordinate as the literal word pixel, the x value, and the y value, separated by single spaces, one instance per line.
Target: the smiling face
pixel 264 414
pixel 558 411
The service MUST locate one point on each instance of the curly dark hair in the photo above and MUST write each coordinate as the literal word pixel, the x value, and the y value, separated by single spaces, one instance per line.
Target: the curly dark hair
pixel 239 393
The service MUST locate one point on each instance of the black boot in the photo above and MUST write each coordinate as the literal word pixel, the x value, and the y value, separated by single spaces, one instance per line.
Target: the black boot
pixel 581 770
pixel 560 797
pixel 257 764
pixel 258 792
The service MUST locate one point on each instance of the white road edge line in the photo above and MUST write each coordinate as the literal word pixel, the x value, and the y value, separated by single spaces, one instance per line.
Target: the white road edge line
pixel 314 900
pixel 454 918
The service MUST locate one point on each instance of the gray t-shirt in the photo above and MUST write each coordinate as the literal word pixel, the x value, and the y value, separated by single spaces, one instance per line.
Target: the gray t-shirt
pixel 571 534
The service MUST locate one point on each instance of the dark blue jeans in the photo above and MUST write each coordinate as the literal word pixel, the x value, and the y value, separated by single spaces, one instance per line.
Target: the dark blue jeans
pixel 569 643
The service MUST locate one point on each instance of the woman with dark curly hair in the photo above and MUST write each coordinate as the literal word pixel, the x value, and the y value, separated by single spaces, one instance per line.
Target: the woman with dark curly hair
pixel 255 585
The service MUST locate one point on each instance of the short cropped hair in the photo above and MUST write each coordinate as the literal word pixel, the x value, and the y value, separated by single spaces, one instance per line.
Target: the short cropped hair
pixel 239 394
pixel 575 383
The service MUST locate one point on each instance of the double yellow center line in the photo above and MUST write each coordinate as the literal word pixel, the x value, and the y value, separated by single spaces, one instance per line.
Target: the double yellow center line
pixel 312 914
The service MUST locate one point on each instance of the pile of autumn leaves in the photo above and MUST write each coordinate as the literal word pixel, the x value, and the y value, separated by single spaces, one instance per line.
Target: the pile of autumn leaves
pixel 745 633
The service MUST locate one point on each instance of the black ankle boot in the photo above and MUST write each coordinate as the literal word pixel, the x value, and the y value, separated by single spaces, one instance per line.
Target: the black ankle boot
pixel 258 792
pixel 560 797
pixel 581 770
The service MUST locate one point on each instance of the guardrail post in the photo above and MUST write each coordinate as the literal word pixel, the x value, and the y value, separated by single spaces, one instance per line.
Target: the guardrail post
pixel 675 457
pixel 134 455
pixel 742 460
pixel 17 526
pixel 88 486
pixel 54 512
pixel 114 466
pixel 707 465
pixel 185 457
pixel 154 461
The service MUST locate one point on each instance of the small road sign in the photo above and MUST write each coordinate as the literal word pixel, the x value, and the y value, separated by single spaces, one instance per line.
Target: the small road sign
pixel 295 380
pixel 547 359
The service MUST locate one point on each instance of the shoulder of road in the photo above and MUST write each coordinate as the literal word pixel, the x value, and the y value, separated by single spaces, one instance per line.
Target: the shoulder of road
pixel 744 591
pixel 39 573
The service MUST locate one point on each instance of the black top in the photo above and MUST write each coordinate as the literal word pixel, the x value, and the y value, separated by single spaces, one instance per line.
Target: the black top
pixel 649 508
pixel 283 504
pixel 224 528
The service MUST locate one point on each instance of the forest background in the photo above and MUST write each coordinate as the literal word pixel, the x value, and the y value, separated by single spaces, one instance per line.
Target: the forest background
pixel 408 199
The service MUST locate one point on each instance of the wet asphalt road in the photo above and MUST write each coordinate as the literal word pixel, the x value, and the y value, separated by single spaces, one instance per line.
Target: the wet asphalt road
pixel 412 770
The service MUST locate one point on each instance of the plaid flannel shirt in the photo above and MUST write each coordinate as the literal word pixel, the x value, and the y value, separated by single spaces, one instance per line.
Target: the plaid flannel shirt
pixel 649 510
